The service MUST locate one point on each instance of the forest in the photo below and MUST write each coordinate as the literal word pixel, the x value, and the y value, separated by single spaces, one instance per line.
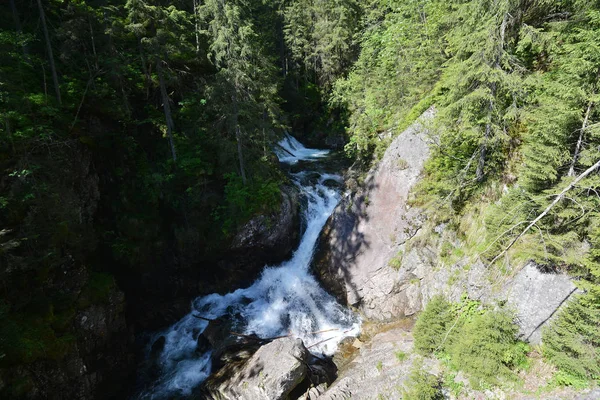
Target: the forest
pixel 137 137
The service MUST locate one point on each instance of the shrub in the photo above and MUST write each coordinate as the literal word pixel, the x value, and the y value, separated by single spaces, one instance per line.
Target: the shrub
pixel 479 341
pixel 572 341
pixel 431 325
pixel 422 385
pixel 485 347
pixel 396 261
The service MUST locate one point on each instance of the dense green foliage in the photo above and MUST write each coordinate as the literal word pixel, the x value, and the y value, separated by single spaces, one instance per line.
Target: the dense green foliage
pixel 572 342
pixel 477 340
pixel 136 136
pixel 432 324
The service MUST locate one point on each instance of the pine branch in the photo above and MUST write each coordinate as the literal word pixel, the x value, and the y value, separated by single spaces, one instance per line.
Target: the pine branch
pixel 558 198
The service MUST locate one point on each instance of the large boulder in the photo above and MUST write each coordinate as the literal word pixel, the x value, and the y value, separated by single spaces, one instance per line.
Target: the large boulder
pixel 367 228
pixel 273 372
pixel 273 233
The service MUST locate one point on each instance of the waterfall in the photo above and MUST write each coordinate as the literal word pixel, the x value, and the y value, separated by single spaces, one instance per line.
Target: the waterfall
pixel 285 299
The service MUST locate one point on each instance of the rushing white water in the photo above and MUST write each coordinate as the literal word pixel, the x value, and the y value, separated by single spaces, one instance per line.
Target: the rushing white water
pixel 290 151
pixel 286 299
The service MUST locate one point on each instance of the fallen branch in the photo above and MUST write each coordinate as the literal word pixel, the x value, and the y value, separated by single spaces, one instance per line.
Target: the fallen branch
pixel 280 337
pixel 325 340
pixel 558 198
pixel 204 318
pixel 284 149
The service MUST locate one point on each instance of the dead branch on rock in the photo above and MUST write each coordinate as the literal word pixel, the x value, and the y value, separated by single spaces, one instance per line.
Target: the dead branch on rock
pixel 558 198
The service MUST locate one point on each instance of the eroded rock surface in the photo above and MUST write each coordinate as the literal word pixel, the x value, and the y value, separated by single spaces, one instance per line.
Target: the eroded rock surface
pixel 366 229
pixel 380 370
pixel 364 259
pixel 273 372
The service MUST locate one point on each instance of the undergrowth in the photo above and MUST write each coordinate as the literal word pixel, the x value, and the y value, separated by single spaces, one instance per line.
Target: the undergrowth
pixel 479 340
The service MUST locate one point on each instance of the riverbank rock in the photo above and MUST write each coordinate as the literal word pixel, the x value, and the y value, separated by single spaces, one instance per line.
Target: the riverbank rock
pixel 380 369
pixel 274 233
pixel 377 254
pixel 273 372
pixel 364 232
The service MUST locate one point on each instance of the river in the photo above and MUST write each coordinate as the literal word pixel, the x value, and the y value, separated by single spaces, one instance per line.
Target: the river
pixel 285 299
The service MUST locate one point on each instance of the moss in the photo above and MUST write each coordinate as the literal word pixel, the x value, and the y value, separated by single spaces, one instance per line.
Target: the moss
pixel 96 290
pixel 26 338
pixel 396 261
pixel 400 355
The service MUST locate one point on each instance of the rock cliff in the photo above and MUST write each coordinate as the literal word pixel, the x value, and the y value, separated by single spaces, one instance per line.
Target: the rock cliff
pixel 371 255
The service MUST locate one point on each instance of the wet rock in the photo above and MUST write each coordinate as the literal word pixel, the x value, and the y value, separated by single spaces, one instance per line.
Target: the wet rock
pixel 278 230
pixel 273 372
pixel 158 346
pixel 203 345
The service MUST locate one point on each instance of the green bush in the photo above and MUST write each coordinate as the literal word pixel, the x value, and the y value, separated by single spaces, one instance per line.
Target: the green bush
pixel 431 325
pixel 572 341
pixel 485 347
pixel 479 341
pixel 422 385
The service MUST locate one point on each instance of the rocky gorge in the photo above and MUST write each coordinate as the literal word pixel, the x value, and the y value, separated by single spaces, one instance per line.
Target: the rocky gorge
pixel 371 258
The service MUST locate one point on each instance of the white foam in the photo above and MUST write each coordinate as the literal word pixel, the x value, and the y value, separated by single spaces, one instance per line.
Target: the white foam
pixel 290 151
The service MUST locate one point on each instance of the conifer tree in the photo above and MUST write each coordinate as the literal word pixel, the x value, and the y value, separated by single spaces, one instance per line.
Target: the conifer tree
pixel 245 74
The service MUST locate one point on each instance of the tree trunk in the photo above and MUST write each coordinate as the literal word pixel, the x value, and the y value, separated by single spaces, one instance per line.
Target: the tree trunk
pixel 580 140
pixel 50 53
pixel 93 44
pixel 238 138
pixel 19 29
pixel 166 107
pixel 479 174
pixel 196 28
pixel 144 69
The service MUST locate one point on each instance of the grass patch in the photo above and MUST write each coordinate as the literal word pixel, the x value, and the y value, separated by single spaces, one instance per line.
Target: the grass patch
pixel 400 355
pixel 396 261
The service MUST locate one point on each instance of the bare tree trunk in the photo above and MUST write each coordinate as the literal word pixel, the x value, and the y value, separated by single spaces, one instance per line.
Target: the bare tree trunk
pixel 93 44
pixel 50 53
pixel 580 140
pixel 238 138
pixel 558 198
pixel 144 69
pixel 196 27
pixel 166 107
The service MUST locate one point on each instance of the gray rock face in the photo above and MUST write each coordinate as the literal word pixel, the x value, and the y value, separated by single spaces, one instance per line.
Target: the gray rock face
pixel 271 231
pixel 365 231
pixel 380 369
pixel 536 297
pixel 271 373
pixel 363 259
